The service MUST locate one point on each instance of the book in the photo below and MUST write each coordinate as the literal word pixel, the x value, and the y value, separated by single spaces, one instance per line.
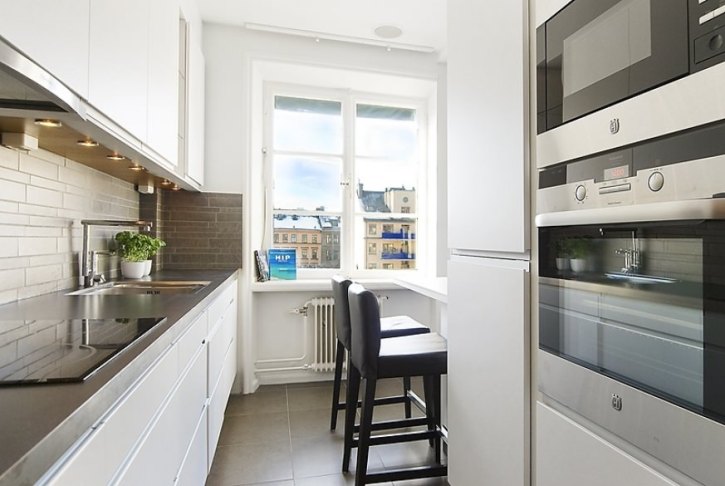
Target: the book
pixel 262 266
pixel 282 263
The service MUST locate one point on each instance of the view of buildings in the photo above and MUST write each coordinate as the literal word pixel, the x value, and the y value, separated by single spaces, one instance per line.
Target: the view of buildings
pixel 389 241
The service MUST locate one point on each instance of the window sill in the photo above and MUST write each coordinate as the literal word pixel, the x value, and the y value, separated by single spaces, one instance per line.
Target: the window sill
pixel 314 285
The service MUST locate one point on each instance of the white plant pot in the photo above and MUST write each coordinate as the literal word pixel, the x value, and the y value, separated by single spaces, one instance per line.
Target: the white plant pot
pixel 562 264
pixel 147 268
pixel 578 264
pixel 132 269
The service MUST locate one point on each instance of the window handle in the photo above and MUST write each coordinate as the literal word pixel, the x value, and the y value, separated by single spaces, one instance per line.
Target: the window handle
pixel 345 183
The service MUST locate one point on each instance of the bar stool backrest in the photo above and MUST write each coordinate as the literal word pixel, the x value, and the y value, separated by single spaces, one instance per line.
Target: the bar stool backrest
pixel 340 285
pixel 365 326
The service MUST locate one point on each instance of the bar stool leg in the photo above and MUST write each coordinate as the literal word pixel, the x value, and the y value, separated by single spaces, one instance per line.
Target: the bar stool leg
pixel 366 420
pixel 429 391
pixel 353 389
pixel 437 414
pixel 339 356
pixel 406 390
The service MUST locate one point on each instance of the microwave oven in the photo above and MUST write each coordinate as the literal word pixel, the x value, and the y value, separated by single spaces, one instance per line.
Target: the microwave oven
pixel 595 53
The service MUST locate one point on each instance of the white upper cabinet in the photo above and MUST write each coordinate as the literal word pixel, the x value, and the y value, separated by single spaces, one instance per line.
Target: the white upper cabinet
pixel 119 58
pixel 195 114
pixel 163 85
pixel 53 34
pixel 488 126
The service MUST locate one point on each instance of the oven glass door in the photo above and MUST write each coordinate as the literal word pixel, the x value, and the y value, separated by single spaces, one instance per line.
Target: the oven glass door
pixel 599 52
pixel 641 303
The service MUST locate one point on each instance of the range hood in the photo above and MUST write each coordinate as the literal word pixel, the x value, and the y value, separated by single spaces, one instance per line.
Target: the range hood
pixel 29 93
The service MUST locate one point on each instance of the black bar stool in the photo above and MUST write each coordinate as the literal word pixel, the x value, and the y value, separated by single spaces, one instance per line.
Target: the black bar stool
pixel 372 359
pixel 390 327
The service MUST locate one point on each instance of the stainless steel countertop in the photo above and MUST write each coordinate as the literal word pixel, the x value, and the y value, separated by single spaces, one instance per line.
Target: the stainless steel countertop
pixel 39 423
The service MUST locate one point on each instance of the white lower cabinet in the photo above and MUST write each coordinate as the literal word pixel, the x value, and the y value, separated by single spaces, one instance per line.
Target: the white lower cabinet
pixel 164 429
pixel 567 454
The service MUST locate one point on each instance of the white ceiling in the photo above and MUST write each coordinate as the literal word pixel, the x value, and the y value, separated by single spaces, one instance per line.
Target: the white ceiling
pixel 423 22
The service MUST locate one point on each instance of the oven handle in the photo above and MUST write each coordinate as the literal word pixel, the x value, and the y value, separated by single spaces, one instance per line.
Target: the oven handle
pixel 696 209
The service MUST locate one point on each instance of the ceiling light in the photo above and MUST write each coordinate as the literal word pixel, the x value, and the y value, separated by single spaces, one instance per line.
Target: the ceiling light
pixel 136 167
pixel 388 32
pixel 47 122
pixel 115 157
pixel 87 143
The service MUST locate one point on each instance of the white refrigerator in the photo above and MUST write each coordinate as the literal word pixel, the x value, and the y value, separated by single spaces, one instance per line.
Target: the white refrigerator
pixel 489 242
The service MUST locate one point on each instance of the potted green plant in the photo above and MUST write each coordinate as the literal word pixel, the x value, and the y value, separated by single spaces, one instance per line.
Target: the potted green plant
pixel 136 250
pixel 154 244
pixel 579 249
pixel 562 254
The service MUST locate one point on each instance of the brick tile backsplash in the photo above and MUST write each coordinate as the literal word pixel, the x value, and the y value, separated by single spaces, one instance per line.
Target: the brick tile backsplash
pixel 43 197
pixel 201 230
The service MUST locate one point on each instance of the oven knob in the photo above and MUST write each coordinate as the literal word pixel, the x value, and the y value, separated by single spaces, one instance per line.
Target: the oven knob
pixel 580 193
pixel 656 181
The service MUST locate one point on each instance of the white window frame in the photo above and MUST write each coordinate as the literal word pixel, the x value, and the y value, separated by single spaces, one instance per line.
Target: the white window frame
pixel 425 235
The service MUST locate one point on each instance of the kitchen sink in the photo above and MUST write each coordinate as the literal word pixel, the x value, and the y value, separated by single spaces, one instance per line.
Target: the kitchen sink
pixel 155 287
pixel 636 278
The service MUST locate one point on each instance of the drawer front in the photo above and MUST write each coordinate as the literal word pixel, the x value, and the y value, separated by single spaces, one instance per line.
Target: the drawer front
pixel 191 340
pixel 194 469
pixel 103 452
pixel 221 303
pixel 219 399
pixel 219 342
pixel 159 456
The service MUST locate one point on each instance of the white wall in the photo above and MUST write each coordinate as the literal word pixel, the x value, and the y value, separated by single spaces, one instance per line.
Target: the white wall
pixel 232 142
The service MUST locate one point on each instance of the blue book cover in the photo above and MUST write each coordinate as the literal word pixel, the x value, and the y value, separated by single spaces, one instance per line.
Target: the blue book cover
pixel 282 263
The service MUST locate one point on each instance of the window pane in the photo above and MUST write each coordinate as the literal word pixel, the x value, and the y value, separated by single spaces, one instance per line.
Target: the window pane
pixel 307 183
pixel 316 238
pixel 391 199
pixel 390 246
pixel 382 131
pixel 307 125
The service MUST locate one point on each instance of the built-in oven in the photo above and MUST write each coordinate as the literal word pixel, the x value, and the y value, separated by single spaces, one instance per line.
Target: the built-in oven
pixel 595 53
pixel 632 295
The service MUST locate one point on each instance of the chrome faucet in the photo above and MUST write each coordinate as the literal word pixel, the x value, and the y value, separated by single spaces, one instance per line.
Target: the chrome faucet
pixel 631 256
pixel 89 258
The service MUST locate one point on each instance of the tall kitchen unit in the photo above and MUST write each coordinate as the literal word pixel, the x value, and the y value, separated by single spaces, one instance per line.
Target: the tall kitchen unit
pixel 488 234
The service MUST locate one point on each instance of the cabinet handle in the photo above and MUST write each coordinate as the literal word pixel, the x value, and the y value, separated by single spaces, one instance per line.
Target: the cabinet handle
pixel 203 341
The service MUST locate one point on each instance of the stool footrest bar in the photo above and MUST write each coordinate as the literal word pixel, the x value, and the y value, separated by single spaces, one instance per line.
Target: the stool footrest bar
pixel 396 424
pixel 401 437
pixel 405 474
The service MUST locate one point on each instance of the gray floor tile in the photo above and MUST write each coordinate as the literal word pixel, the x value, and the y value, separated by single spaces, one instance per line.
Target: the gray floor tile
pixel 253 429
pixel 310 398
pixel 406 454
pixel 424 482
pixel 332 480
pixel 395 411
pixel 314 384
pixel 306 424
pixel 322 456
pixel 259 402
pixel 274 483
pixel 251 464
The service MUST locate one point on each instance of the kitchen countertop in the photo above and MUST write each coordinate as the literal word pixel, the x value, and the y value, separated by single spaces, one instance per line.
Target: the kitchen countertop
pixel 435 287
pixel 39 423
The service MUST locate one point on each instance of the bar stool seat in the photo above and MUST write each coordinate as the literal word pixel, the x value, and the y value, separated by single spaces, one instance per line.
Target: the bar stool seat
pixel 390 327
pixel 373 358
pixel 418 355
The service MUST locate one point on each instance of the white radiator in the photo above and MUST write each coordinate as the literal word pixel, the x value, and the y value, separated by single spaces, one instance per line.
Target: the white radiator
pixel 321 314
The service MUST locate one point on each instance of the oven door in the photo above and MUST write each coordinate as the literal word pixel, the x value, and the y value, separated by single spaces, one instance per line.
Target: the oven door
pixel 632 324
pixel 599 52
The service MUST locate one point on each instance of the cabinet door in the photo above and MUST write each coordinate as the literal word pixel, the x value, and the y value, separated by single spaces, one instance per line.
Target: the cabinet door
pixel 487 126
pixel 195 122
pixel 194 468
pixel 163 79
pixel 118 69
pixel 53 34
pixel 569 455
pixel 488 371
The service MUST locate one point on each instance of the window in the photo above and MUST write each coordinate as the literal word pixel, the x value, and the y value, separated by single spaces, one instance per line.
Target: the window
pixel 304 253
pixel 284 237
pixel 343 167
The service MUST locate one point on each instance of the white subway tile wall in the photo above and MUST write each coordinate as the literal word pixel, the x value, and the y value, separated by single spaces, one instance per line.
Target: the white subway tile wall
pixel 43 197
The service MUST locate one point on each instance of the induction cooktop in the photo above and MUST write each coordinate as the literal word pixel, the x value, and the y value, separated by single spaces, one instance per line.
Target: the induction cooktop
pixel 64 350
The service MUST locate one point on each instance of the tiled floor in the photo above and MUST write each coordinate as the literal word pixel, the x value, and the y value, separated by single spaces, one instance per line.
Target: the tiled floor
pixel 279 436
